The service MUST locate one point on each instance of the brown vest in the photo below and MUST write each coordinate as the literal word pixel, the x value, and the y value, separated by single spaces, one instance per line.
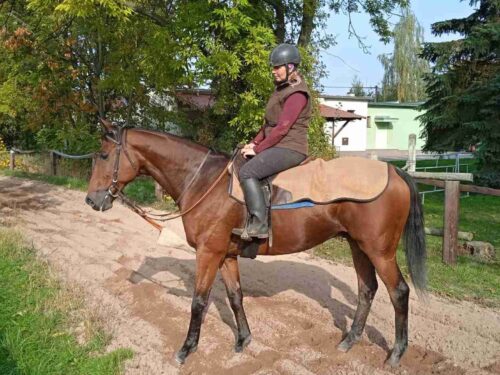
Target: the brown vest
pixel 296 138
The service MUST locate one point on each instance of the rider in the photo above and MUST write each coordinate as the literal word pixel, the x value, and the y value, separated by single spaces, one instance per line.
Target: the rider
pixel 282 141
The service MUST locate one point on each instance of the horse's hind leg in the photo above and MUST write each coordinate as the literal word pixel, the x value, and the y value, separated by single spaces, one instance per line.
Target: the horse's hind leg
pixel 367 287
pixel 399 292
pixel 231 276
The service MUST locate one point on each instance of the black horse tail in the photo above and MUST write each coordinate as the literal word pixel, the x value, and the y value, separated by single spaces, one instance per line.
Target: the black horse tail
pixel 414 237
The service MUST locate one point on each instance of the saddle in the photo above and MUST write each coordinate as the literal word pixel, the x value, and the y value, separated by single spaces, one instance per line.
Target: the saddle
pixel 317 181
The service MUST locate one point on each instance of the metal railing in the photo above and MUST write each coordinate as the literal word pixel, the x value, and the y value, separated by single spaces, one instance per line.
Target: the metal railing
pixel 458 167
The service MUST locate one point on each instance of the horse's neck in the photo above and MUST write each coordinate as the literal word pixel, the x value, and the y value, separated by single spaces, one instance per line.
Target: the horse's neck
pixel 168 159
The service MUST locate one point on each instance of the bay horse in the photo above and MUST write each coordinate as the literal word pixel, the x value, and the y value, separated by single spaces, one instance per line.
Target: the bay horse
pixel 186 170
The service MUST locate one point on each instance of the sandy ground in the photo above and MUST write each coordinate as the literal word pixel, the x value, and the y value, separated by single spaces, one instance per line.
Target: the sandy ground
pixel 298 306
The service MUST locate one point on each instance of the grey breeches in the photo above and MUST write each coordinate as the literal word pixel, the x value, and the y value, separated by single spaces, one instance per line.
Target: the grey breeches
pixel 269 162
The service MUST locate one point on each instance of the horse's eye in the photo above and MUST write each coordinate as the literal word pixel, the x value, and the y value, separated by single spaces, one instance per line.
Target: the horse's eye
pixel 103 156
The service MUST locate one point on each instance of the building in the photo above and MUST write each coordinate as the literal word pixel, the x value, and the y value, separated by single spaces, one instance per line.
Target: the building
pixel 353 136
pixel 383 127
pixel 353 124
pixel 390 124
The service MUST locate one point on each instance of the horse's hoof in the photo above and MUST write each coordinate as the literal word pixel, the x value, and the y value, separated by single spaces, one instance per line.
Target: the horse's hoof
pixel 393 360
pixel 242 344
pixel 346 344
pixel 181 355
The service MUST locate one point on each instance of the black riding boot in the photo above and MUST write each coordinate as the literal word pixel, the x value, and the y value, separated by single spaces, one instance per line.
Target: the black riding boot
pixel 256 225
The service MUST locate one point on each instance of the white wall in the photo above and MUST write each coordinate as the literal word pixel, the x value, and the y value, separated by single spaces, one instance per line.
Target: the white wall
pixel 355 131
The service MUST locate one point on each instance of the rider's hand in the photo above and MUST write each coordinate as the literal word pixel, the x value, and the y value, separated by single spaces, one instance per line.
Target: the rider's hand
pixel 247 147
pixel 248 150
pixel 250 145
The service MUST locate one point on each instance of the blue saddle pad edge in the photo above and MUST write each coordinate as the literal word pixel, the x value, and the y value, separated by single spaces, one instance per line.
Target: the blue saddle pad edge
pixel 288 206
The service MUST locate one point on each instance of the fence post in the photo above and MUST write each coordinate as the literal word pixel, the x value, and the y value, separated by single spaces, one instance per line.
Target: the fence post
pixel 451 211
pixel 412 152
pixel 12 160
pixel 53 159
pixel 158 191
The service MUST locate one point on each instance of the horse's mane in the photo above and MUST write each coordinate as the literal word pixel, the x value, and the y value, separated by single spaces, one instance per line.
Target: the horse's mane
pixel 187 141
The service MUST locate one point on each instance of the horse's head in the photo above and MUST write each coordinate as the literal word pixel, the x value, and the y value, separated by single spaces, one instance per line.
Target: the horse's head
pixel 113 168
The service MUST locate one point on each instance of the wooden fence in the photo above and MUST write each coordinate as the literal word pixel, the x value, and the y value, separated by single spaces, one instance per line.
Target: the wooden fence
pixel 452 188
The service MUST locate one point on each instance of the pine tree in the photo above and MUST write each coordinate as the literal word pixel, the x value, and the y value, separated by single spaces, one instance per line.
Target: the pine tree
pixel 463 109
pixel 403 69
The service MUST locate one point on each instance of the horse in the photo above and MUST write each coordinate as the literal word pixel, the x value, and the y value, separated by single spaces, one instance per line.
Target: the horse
pixel 197 179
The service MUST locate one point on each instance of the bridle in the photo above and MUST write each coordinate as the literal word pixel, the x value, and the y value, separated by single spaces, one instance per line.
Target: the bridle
pixel 113 189
pixel 115 192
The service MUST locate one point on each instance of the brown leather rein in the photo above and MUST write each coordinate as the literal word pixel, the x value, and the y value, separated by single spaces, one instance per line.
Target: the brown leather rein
pixel 117 193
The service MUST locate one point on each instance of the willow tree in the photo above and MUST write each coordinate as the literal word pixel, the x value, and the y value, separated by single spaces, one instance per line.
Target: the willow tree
pixel 403 68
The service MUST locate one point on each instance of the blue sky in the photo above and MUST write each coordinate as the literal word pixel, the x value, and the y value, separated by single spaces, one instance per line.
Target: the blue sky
pixel 366 66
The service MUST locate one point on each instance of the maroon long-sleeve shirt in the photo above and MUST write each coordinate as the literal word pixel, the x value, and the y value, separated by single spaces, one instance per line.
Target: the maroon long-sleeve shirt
pixel 292 107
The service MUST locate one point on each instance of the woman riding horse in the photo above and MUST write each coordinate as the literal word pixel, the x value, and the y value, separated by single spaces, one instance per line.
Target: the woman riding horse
pixel 197 179
pixel 281 143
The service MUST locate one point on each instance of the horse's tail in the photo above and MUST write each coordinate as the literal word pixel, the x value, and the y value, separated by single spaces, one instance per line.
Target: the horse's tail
pixel 414 237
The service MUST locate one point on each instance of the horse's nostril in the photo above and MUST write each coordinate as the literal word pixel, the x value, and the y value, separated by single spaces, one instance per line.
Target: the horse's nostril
pixel 89 201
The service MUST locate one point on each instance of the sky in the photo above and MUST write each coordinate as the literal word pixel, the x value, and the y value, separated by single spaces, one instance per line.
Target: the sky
pixel 346 59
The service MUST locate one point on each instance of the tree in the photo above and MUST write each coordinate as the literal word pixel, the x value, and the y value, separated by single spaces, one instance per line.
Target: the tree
pixel 66 61
pixel 357 87
pixel 404 69
pixel 463 108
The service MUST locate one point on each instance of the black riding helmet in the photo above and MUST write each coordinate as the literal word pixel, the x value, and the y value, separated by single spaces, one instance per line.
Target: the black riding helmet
pixel 284 54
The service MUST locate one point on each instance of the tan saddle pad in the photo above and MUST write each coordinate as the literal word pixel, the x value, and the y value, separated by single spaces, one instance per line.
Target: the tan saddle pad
pixel 320 181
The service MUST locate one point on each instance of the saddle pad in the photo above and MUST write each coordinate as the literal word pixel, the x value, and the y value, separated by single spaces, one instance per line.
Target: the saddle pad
pixel 319 181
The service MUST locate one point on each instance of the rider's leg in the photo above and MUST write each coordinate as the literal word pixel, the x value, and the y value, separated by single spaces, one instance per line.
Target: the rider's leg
pixel 264 164
pixel 256 205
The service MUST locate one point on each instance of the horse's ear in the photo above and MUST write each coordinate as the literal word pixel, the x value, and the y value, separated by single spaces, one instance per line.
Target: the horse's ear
pixel 108 125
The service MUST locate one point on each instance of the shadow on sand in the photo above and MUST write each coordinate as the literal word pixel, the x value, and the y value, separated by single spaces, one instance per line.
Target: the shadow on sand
pixel 266 279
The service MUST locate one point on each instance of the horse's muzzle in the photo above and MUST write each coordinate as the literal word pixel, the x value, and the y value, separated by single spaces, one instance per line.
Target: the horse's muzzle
pixel 99 200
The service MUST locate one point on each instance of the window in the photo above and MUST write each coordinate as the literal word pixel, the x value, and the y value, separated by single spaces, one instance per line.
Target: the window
pixel 345 141
pixel 369 122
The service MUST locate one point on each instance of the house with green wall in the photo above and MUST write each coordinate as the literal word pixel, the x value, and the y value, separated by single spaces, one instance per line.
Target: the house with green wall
pixel 389 124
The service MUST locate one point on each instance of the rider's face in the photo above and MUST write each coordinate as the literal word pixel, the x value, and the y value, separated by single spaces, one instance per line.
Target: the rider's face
pixel 279 73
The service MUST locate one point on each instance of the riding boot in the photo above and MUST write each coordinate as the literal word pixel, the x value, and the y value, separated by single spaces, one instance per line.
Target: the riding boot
pixel 256 225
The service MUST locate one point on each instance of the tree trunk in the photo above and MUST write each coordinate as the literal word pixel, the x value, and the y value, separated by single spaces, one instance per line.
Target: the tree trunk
pixel 307 25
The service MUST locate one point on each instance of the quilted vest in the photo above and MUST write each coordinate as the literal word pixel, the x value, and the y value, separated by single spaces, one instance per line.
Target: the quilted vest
pixel 296 138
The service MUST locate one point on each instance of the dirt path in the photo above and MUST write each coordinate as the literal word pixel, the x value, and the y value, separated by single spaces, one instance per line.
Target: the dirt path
pixel 297 306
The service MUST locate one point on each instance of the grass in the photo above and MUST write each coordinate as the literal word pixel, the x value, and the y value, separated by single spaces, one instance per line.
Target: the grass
pixel 39 320
pixel 68 182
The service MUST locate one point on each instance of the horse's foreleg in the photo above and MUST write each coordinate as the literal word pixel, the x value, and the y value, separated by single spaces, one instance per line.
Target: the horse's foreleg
pixel 399 292
pixel 367 287
pixel 231 276
pixel 207 264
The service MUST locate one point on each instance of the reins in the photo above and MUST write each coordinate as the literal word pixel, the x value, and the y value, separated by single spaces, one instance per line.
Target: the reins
pixel 168 216
pixel 117 193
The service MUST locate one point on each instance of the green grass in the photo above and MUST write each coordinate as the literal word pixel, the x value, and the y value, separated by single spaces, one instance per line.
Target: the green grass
pixel 470 279
pixel 38 317
pixel 68 182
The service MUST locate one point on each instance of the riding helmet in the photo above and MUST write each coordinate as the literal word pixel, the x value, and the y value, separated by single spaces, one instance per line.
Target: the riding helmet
pixel 284 54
